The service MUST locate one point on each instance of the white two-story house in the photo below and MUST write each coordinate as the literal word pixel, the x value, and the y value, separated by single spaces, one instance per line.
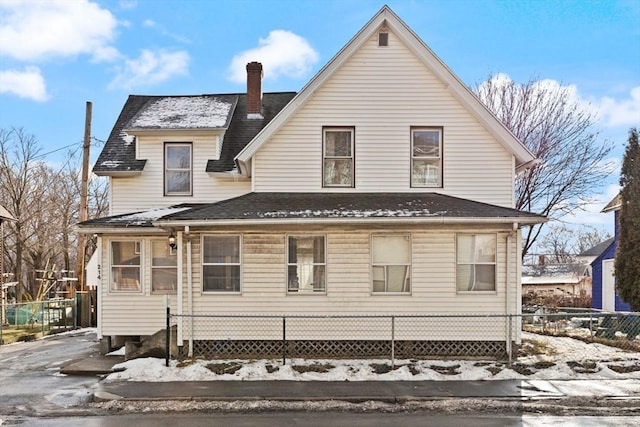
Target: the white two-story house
pixel 383 187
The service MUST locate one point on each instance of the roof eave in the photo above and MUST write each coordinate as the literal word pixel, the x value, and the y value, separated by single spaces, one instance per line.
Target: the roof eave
pixel 520 221
pixel 117 173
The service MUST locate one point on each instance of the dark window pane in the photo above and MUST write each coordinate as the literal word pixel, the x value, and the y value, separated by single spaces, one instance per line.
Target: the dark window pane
pixel 337 144
pixel 179 157
pixel 221 249
pixel 164 279
pixel 178 182
pixel 221 278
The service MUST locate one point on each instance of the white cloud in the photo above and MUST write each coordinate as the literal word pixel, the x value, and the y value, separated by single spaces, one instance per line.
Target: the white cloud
pixel 128 4
pixel 151 68
pixel 28 83
pixel 149 23
pixel 591 214
pixel 282 53
pixel 621 112
pixel 34 30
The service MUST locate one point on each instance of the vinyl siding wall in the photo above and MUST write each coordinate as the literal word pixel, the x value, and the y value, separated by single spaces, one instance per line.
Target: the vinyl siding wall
pixel 383 110
pixel 145 191
pixel 348 275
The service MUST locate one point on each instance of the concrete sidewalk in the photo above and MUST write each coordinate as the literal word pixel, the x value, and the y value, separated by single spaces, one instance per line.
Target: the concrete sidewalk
pixel 361 391
pixel 350 391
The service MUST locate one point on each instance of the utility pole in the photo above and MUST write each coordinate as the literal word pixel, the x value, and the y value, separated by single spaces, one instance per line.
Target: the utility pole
pixel 84 196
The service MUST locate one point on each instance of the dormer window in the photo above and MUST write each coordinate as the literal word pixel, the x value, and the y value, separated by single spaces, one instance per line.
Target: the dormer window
pixel 426 157
pixel 177 169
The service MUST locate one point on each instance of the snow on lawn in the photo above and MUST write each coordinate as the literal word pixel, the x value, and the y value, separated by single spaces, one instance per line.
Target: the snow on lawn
pixel 558 358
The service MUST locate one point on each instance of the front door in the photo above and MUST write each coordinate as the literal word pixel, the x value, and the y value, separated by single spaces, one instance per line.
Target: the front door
pixel 608 285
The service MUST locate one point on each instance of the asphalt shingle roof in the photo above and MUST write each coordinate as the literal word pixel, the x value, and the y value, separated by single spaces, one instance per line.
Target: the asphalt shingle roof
pixel 186 112
pixel 598 249
pixel 293 206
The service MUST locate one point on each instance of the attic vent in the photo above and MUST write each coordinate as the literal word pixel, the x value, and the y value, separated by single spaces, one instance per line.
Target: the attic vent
pixel 383 38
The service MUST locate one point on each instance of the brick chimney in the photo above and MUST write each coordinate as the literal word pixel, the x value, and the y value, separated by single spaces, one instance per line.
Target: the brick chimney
pixel 254 90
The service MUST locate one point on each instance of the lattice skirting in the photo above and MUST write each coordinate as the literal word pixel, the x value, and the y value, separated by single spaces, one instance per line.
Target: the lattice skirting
pixel 254 349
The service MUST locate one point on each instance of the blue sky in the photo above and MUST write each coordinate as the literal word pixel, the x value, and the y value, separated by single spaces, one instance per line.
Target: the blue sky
pixel 56 55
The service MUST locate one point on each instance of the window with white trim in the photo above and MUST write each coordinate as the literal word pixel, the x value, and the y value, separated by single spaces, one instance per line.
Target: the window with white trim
pixel 391 263
pixel 221 263
pixel 125 266
pixel 337 157
pixel 476 262
pixel 177 169
pixel 426 157
pixel 164 267
pixel 306 264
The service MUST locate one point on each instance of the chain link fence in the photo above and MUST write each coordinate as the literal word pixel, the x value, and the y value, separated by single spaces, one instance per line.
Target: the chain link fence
pixel 30 320
pixel 401 336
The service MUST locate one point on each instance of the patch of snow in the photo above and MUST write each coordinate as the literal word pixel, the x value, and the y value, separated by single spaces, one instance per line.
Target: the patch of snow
pixel 111 163
pixel 128 139
pixel 140 218
pixel 183 112
pixel 118 352
pixel 352 213
pixel 560 351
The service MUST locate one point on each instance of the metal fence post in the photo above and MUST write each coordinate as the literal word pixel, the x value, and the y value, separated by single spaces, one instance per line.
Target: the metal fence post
pixel 393 342
pixel 509 338
pixel 167 337
pixel 284 340
pixel 591 324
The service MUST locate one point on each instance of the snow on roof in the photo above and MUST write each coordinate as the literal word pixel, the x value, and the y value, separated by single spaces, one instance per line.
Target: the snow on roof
pixel 142 218
pixel 183 112
pixel 545 280
pixel 351 213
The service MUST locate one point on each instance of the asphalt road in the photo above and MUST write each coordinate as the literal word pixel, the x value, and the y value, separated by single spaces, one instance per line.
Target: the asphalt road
pixel 29 379
pixel 328 419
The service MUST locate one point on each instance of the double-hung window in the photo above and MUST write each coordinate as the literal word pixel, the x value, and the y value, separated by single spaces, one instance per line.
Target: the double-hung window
pixel 178 169
pixel 221 263
pixel 426 157
pixel 306 264
pixel 476 262
pixel 164 267
pixel 125 266
pixel 391 263
pixel 338 157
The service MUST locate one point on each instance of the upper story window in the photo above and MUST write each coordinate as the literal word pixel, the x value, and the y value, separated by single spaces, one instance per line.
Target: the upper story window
pixel 306 266
pixel 391 263
pixel 338 157
pixel 426 157
pixel 125 266
pixel 178 169
pixel 221 263
pixel 476 262
pixel 164 267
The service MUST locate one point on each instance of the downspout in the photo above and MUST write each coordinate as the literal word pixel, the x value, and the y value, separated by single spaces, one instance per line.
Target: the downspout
pixel 180 289
pixel 102 287
pixel 189 291
pixel 511 331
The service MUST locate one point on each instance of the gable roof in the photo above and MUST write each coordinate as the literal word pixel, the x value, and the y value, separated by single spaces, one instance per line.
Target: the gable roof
pixel 597 249
pixel 5 215
pixel 613 205
pixel 386 17
pixel 215 112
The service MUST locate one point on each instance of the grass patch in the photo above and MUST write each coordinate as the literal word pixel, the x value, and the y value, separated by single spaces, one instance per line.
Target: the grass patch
pixel 446 370
pixel 531 347
pixel 584 367
pixel 321 368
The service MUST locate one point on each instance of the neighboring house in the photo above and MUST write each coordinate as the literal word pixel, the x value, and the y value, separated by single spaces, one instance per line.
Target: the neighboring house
pixel 605 296
pixel 563 281
pixel 383 187
pixel 588 256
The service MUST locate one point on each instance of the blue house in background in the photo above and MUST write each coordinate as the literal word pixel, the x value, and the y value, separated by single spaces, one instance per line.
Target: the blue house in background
pixel 603 285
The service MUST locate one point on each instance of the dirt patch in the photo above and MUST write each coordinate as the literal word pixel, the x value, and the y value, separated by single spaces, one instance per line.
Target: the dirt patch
pixel 446 370
pixel 495 369
pixel 224 368
pixel 583 367
pixel 315 367
pixel 624 369
pixel 543 365
pixel 522 369
pixel 271 368
pixel 383 368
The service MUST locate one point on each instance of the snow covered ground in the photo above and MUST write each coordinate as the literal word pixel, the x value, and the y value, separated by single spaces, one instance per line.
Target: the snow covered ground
pixel 549 358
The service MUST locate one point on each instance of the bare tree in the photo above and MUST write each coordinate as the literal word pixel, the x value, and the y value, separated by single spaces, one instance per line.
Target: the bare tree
pixel 589 237
pixel 18 167
pixel 550 120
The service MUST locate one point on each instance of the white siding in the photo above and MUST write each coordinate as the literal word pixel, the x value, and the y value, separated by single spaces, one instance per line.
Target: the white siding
pixel 130 194
pixel 383 92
